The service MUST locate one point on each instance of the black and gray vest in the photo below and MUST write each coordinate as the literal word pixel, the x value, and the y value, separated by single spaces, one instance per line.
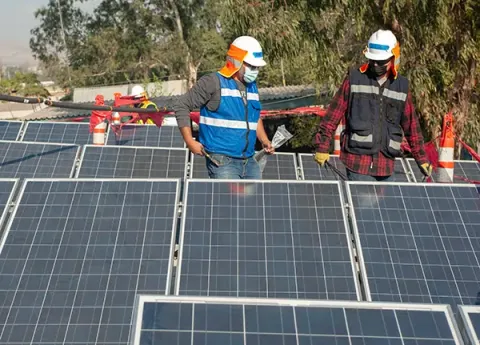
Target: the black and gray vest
pixel 375 115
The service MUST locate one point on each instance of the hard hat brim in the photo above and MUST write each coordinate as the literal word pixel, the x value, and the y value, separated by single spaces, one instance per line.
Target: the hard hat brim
pixel 378 57
pixel 256 62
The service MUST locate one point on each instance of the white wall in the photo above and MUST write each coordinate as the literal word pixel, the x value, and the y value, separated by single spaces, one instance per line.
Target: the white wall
pixel 166 88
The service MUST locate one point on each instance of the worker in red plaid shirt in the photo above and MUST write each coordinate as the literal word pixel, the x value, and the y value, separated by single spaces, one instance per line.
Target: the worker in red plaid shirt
pixel 376 103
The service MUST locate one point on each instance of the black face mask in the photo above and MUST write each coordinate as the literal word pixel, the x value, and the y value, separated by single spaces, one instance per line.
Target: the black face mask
pixel 378 70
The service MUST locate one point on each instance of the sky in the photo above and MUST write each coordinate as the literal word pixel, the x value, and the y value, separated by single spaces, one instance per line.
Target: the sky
pixel 16 21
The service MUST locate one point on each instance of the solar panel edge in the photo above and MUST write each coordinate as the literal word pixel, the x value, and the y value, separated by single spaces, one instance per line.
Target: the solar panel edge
pixel 466 327
pixel 142 299
pixel 6 216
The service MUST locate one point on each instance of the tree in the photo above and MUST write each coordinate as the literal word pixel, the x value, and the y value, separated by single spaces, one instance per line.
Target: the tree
pixel 23 84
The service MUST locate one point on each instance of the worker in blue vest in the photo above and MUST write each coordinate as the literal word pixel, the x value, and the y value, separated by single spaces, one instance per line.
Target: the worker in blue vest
pixel 230 120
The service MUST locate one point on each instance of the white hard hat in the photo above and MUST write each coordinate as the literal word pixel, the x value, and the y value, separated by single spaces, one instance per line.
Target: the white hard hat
pixel 137 91
pixel 381 45
pixel 255 54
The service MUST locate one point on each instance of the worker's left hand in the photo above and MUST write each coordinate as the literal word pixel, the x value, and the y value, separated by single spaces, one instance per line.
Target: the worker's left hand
pixel 426 169
pixel 269 149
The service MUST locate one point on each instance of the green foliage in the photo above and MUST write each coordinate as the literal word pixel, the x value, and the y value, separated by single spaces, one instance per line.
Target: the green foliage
pixel 127 41
pixel 23 84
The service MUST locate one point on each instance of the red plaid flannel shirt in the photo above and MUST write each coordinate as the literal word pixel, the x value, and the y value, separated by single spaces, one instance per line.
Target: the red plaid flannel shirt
pixel 378 164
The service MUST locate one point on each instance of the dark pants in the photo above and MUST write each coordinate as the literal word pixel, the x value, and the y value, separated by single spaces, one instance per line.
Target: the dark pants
pixel 353 176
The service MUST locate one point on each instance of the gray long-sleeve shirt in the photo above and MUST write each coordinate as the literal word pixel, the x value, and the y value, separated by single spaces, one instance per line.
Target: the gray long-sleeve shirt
pixel 205 92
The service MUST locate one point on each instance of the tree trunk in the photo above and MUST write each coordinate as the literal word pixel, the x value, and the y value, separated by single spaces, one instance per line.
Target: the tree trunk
pixel 191 70
pixel 190 66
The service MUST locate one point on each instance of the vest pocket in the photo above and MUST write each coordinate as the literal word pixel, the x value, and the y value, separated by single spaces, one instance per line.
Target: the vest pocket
pixel 362 139
pixel 394 140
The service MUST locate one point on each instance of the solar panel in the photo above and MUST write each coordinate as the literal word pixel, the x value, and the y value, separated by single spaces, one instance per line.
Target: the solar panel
pixel 280 166
pixel 7 190
pixel 132 162
pixel 42 160
pixel 198 168
pixel 470 323
pixel 466 169
pixel 265 239
pixel 228 321
pixel 76 253
pixel 417 243
pixel 147 135
pixel 469 170
pixel 312 171
pixel 9 130
pixel 58 132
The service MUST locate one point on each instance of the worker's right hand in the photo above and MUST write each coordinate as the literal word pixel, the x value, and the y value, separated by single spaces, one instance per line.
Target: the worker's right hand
pixel 195 147
pixel 321 158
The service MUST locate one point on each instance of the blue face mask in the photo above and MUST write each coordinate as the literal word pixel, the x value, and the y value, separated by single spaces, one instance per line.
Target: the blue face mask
pixel 250 75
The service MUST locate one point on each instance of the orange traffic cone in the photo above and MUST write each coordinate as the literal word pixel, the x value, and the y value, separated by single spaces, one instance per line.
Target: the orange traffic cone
pixel 446 151
pixel 338 133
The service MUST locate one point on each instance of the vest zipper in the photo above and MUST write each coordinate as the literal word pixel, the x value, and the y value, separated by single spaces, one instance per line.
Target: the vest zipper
pixel 245 104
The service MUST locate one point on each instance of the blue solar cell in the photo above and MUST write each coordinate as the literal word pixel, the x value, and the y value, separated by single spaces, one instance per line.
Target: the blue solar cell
pixel 132 162
pixel 265 239
pixel 58 132
pixel 312 171
pixel 9 130
pixel 418 243
pixel 76 254
pixel 36 160
pixel 147 135
pixel 232 321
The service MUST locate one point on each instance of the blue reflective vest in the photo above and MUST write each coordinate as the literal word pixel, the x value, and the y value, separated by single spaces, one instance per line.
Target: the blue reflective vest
pixel 231 129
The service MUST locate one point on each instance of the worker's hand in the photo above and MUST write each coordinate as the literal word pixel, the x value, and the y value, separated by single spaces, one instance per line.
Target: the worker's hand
pixel 321 158
pixel 269 149
pixel 426 169
pixel 195 147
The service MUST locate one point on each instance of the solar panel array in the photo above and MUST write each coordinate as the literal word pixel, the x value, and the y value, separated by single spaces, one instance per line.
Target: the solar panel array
pixel 58 132
pixel 266 240
pixel 147 135
pixel 132 162
pixel 228 321
pixel 418 243
pixel 89 230
pixel 10 130
pixel 76 253
pixel 28 160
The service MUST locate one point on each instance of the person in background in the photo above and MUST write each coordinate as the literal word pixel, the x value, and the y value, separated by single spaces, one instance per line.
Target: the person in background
pixel 376 105
pixel 230 120
pixel 138 92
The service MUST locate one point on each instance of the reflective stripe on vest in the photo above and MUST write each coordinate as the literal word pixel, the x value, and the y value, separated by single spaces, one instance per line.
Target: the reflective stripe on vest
pixel 227 123
pixel 236 93
pixel 370 89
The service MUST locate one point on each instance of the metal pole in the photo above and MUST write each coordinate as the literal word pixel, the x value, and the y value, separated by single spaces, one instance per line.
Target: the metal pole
pixel 283 72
